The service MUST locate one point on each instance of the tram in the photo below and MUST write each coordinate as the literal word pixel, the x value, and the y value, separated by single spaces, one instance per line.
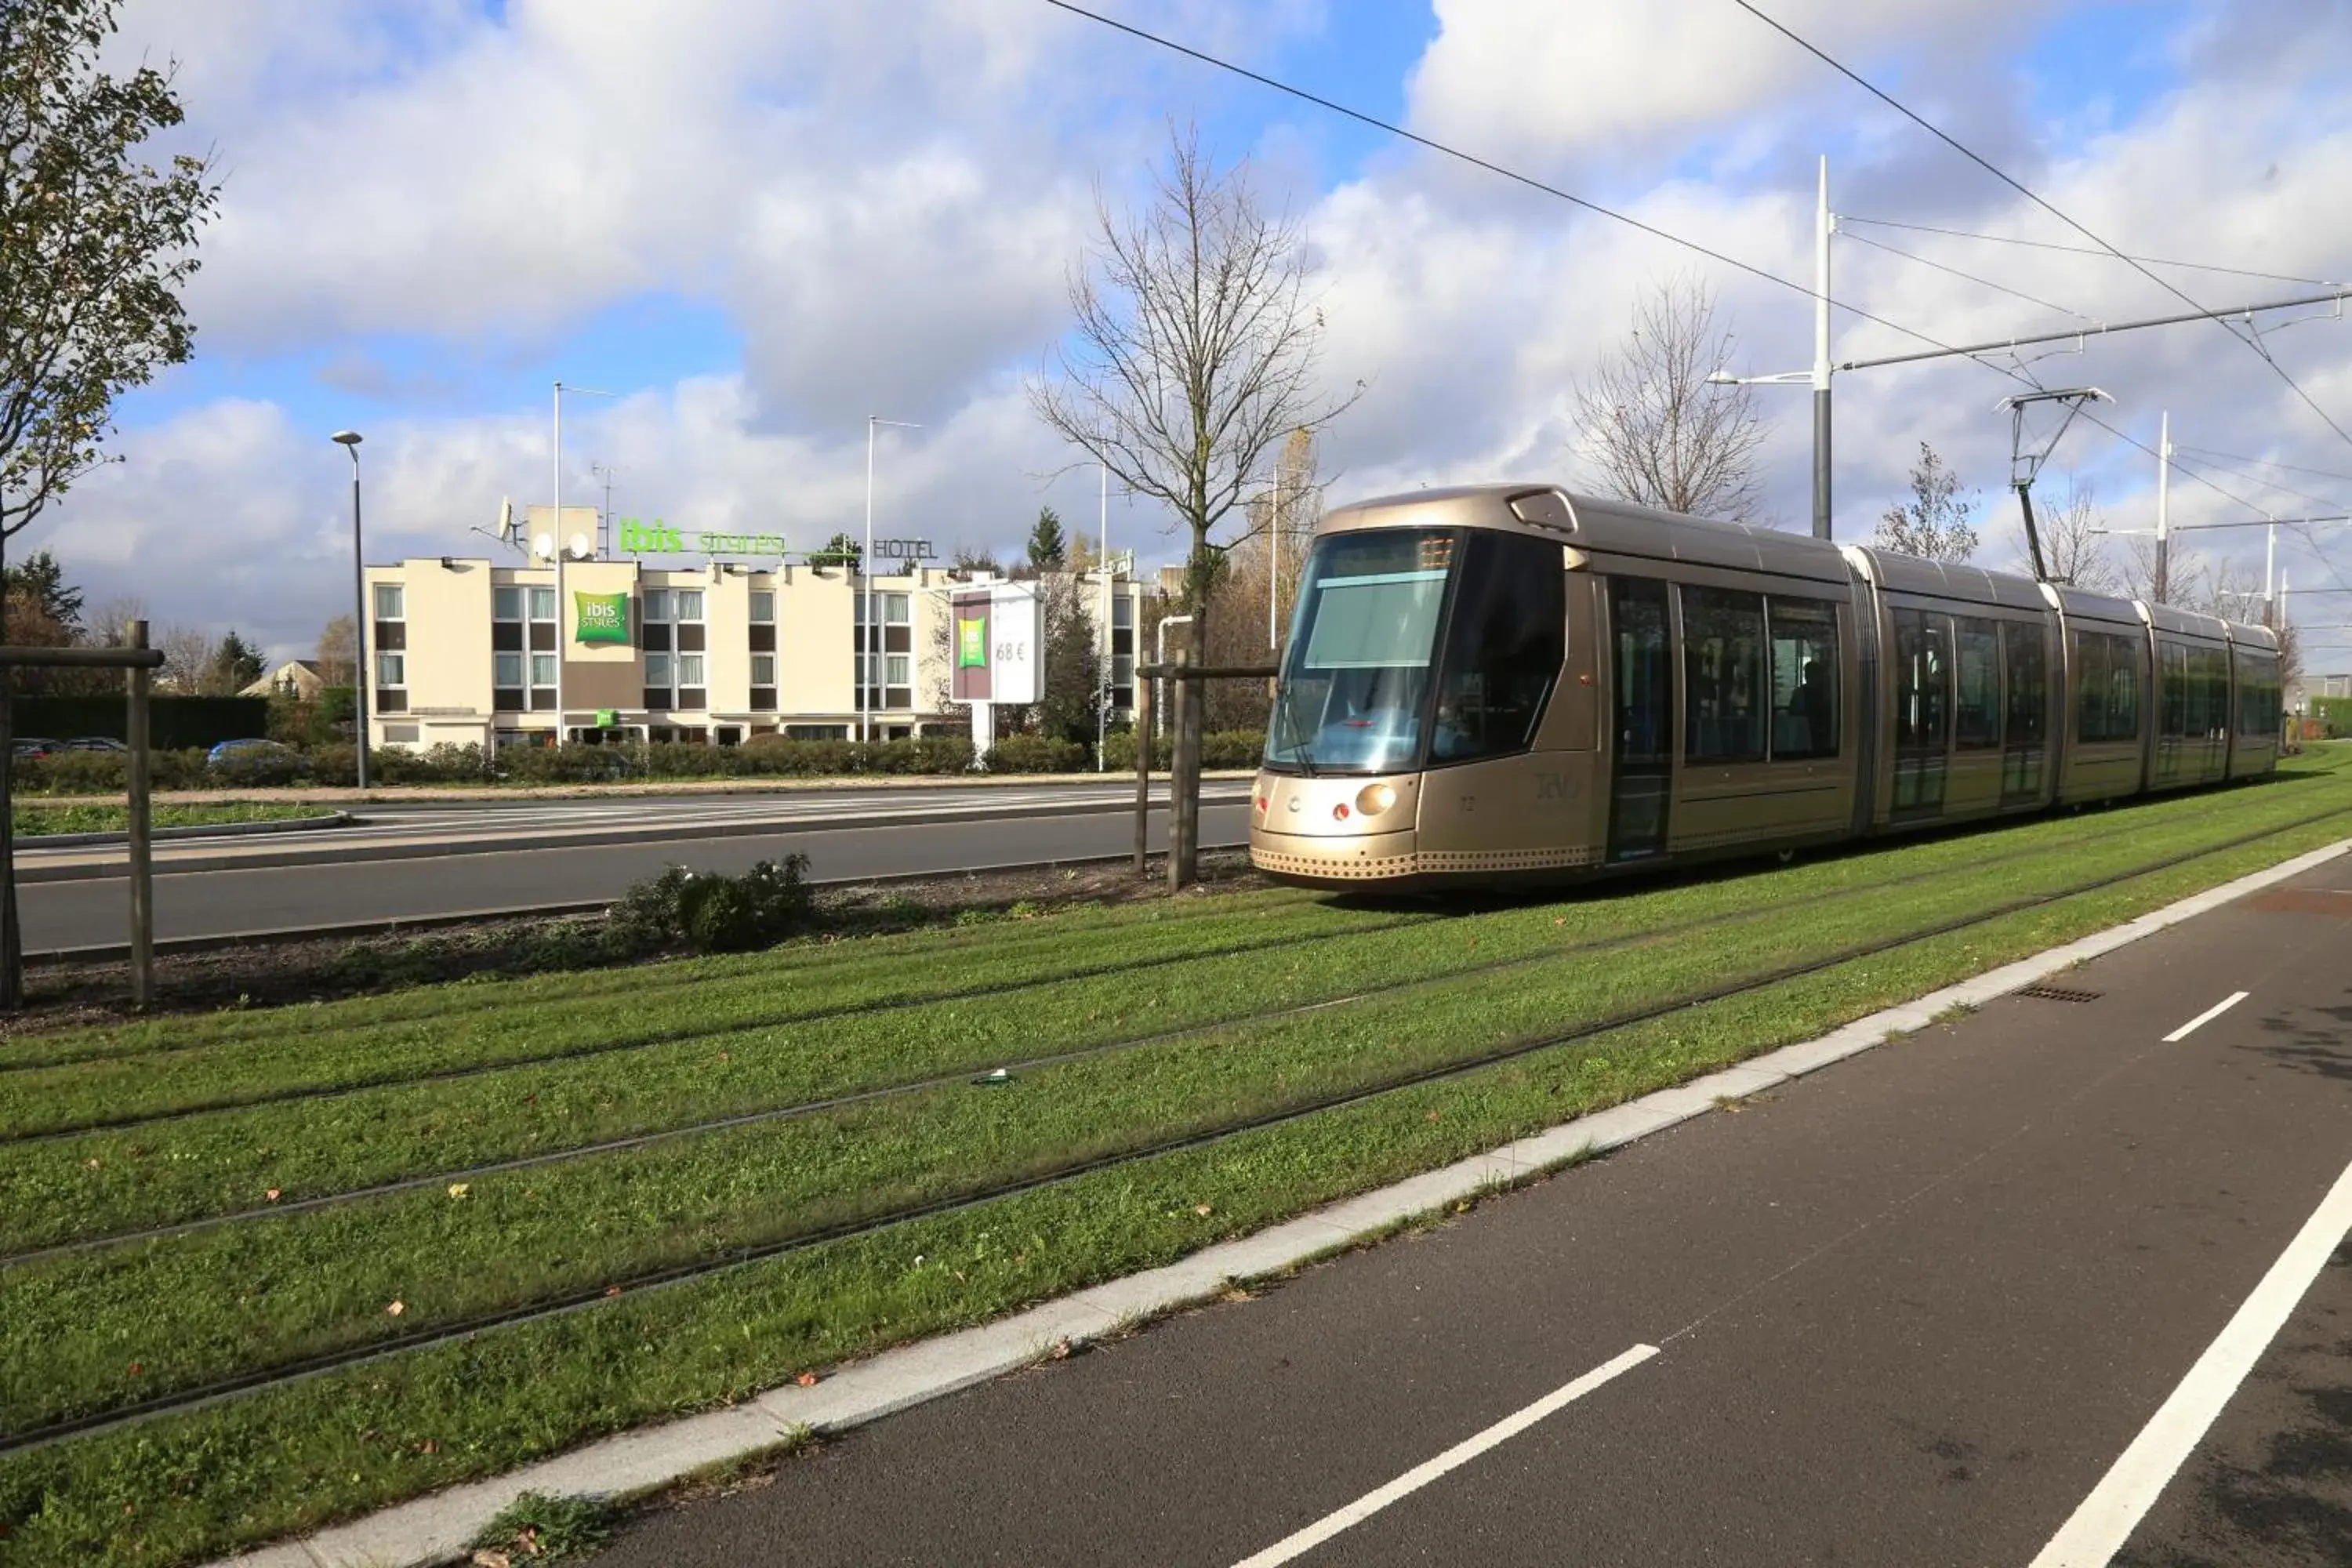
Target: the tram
pixel 1509 683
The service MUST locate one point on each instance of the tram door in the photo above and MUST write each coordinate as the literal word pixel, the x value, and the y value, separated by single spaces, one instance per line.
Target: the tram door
pixel 1922 711
pixel 1641 777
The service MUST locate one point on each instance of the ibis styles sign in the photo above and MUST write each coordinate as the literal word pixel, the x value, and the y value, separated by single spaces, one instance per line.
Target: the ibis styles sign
pixel 601 617
pixel 657 538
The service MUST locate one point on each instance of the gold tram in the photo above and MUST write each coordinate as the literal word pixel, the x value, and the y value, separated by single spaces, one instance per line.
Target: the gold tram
pixel 1508 682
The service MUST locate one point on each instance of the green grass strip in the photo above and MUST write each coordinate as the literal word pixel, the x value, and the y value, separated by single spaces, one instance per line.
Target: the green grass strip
pixel 820 955
pixel 182 1489
pixel 189 1310
pixel 108 1182
pixel 36 1100
pixel 37 821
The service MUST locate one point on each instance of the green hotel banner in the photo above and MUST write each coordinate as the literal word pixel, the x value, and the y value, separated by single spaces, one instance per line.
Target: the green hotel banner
pixel 601 617
pixel 972 643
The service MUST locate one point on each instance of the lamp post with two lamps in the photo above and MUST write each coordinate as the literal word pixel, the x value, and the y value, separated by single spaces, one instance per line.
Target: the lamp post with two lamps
pixel 869 638
pixel 350 441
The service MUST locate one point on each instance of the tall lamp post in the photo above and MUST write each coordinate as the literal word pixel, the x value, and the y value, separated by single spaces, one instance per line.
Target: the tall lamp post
pixel 350 443
pixel 868 642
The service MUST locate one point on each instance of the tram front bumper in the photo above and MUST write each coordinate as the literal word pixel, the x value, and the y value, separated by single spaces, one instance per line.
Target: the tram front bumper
pixel 1332 860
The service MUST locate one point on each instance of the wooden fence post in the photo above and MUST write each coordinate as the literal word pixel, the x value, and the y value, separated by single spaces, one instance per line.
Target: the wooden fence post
pixel 142 874
pixel 1144 685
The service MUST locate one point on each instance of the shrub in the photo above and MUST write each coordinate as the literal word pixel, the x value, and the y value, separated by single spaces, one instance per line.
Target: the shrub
pixel 712 912
pixel 259 767
pixel 1034 755
pixel 1219 749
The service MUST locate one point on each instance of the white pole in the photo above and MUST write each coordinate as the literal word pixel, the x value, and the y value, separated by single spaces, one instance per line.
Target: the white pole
pixel 1102 670
pixel 1274 554
pixel 2270 560
pixel 555 534
pixel 1823 225
pixel 865 593
pixel 2164 508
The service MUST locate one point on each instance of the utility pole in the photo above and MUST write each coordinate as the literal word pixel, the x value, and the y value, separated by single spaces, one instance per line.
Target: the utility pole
pixel 2163 585
pixel 1823 225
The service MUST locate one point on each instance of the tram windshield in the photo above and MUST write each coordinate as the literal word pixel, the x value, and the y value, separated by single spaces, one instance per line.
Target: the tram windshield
pixel 1356 681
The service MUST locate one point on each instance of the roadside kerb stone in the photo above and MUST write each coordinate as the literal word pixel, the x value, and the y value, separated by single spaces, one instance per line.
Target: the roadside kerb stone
pixel 434 1530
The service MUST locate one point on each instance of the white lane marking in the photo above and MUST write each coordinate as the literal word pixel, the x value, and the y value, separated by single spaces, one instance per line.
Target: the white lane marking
pixel 2108 1517
pixel 1462 1453
pixel 2205 1017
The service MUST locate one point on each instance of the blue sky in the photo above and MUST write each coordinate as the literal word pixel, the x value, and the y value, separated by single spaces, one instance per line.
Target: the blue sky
pixel 765 223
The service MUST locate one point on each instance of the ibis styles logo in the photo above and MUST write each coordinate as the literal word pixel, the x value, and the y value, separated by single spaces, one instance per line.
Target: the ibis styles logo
pixel 601 617
pixel 972 643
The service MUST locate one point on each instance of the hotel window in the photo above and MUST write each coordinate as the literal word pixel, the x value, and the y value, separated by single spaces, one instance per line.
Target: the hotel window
pixel 876 646
pixel 542 640
pixel 391 640
pixel 658 681
pixel 1122 653
pixel 763 682
pixel 509 692
pixel 763 630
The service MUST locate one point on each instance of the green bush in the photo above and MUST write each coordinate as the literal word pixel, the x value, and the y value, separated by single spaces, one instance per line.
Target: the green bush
pixel 271 767
pixel 713 912
pixel 1219 749
pixel 1034 755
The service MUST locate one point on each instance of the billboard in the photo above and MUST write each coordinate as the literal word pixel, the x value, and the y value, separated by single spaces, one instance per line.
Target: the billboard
pixel 998 651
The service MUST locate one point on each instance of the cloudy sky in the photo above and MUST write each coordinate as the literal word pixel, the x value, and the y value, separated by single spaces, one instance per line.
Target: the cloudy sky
pixel 758 223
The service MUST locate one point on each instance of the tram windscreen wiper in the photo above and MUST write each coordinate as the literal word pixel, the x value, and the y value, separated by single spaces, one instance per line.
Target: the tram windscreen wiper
pixel 1298 751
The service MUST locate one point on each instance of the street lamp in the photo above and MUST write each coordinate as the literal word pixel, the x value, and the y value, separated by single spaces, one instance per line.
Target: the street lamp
pixel 1824 225
pixel 869 643
pixel 350 440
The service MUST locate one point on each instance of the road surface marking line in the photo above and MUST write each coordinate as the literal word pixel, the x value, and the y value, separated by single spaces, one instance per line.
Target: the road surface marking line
pixel 2108 1516
pixel 1460 1454
pixel 2204 1018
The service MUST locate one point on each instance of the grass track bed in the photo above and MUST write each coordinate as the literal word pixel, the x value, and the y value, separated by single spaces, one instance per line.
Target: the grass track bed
pixel 192 1309
pixel 225 1164
pixel 300 1455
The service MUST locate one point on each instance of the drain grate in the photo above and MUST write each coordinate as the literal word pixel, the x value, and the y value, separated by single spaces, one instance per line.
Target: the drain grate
pixel 2058 993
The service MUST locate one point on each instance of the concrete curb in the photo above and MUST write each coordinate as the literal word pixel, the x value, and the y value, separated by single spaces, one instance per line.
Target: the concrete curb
pixel 436 1529
pixel 217 830
pixel 595 838
pixel 472 795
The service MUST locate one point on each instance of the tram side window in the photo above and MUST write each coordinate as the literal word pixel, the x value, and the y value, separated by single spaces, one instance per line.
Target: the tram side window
pixel 1976 715
pixel 1724 688
pixel 2209 715
pixel 1804 679
pixel 2176 690
pixel 2107 686
pixel 2029 683
pixel 1923 670
pixel 1507 642
pixel 2258 697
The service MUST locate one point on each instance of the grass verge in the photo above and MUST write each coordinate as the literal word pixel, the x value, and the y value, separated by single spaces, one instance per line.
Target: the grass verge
pixel 35 820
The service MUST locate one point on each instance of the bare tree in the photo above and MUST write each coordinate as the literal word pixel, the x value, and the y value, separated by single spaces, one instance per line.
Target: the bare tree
pixel 338 653
pixel 1194 349
pixel 99 242
pixel 1282 518
pixel 187 659
pixel 1934 523
pixel 1651 425
pixel 2073 545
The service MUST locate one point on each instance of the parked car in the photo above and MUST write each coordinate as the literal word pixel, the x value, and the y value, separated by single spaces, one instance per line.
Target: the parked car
pixel 247 748
pixel 96 743
pixel 32 746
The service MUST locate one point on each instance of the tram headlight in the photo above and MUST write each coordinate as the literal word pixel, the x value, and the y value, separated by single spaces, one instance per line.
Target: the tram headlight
pixel 1374 799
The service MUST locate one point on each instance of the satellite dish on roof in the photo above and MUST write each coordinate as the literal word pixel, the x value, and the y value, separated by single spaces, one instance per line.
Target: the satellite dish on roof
pixel 506 519
pixel 579 548
pixel 544 546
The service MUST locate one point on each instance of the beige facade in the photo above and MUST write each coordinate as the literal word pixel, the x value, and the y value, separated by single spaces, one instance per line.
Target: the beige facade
pixel 470 650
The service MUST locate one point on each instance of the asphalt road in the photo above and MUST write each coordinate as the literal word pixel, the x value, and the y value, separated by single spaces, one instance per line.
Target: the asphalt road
pixel 1907 1311
pixel 418 861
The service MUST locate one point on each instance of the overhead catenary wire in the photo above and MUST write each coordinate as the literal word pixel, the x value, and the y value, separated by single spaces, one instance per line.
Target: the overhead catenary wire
pixel 2251 338
pixel 2264 463
pixel 1846 218
pixel 1970 277
pixel 1362 118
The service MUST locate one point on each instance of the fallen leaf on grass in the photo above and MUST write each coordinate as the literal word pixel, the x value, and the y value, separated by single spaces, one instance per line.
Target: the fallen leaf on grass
pixel 1202 1209
pixel 459 1189
pixel 806 1380
pixel 612 1290
pixel 395 1308
pixel 272 1193
pixel 486 1558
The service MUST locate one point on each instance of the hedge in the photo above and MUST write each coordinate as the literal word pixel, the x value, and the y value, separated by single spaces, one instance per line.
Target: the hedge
pixel 174 723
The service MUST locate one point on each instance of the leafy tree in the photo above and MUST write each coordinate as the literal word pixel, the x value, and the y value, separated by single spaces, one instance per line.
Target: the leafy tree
pixel 972 558
pixel 1652 426
pixel 1933 524
pixel 1049 549
pixel 40 586
pixel 98 243
pixel 841 549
